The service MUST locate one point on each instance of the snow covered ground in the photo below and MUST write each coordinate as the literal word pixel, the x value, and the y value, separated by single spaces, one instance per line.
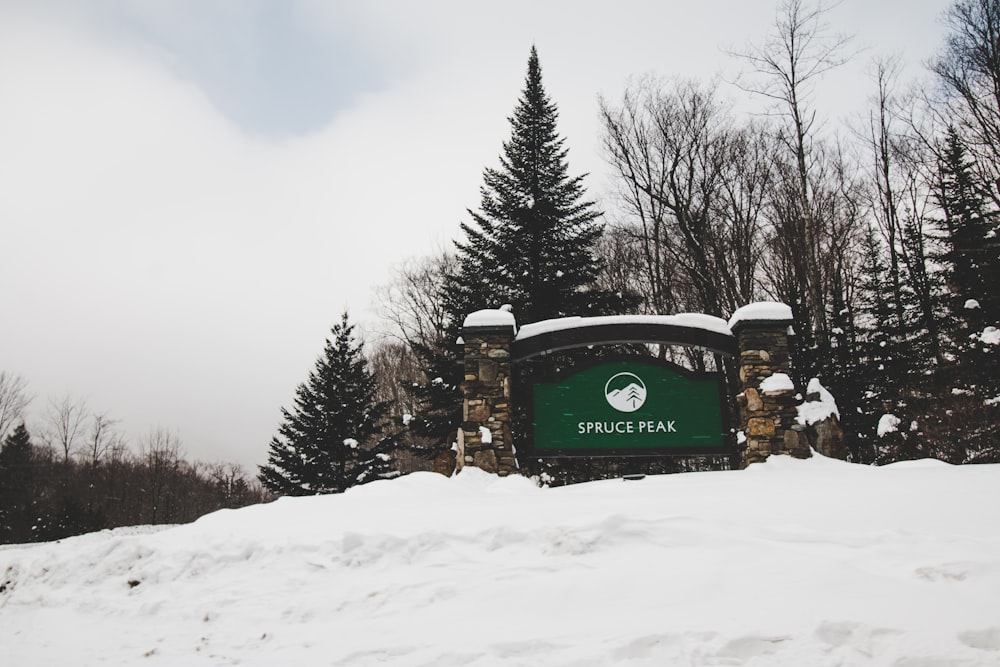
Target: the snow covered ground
pixel 791 562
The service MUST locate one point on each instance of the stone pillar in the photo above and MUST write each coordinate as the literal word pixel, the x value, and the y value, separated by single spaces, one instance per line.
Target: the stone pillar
pixel 767 400
pixel 484 439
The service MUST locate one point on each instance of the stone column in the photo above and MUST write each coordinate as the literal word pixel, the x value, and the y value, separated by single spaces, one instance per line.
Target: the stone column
pixel 484 439
pixel 767 400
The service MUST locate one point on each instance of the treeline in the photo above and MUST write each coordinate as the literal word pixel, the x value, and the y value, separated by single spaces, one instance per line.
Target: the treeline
pixel 882 234
pixel 80 475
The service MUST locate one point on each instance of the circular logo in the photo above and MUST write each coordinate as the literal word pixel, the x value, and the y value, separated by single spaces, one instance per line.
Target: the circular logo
pixel 625 392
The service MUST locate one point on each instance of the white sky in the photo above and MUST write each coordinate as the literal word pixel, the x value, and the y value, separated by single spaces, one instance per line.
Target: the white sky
pixel 191 192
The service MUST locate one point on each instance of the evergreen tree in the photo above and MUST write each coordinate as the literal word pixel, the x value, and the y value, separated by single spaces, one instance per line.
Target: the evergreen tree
pixel 531 244
pixel 16 487
pixel 921 295
pixel 882 356
pixel 970 257
pixel 327 442
pixel 968 239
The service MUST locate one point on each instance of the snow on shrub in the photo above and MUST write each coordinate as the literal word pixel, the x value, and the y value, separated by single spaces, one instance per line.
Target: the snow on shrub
pixel 887 424
pixel 813 412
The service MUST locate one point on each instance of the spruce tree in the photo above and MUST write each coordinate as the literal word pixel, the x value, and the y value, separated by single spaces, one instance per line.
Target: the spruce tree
pixel 883 356
pixel 16 487
pixel 328 441
pixel 531 243
pixel 968 241
pixel 970 257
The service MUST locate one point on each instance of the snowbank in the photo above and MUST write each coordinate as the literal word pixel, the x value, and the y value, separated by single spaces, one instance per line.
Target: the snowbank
pixel 791 562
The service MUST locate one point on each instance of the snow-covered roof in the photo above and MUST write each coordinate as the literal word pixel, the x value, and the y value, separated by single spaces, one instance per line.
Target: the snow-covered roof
pixel 503 317
pixel 490 317
pixel 762 310
pixel 689 320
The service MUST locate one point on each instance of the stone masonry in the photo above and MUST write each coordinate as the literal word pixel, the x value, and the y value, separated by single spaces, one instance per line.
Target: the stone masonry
pixel 484 439
pixel 767 413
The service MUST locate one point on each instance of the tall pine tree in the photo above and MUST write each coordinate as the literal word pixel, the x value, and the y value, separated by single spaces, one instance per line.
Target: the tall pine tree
pixel 328 441
pixel 970 244
pixel 971 260
pixel 17 481
pixel 531 244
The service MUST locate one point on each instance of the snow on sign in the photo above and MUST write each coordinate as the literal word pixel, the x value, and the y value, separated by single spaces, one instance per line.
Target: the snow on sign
pixel 630 406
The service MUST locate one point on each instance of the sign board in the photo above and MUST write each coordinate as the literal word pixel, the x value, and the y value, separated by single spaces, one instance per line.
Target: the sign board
pixel 638 405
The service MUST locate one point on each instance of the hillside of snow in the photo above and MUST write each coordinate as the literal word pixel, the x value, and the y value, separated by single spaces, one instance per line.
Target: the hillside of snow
pixel 798 563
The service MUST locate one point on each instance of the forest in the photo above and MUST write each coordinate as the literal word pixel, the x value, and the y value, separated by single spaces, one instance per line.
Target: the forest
pixel 881 235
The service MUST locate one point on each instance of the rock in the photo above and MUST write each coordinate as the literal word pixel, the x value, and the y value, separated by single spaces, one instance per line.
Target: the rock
pixel 828 438
pixel 760 426
pixel 485 459
pixel 444 463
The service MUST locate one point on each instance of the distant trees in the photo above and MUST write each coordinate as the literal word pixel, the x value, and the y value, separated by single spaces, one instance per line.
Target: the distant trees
pixel 44 496
pixel 65 425
pixel 883 248
pixel 692 188
pixel 416 303
pixel 330 440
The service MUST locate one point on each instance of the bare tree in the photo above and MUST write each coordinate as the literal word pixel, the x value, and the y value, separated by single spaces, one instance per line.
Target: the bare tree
pixel 692 211
pixel 786 66
pixel 631 146
pixel 885 197
pixel 14 399
pixel 413 302
pixel 102 438
pixel 621 254
pixel 163 459
pixel 809 173
pixel 969 74
pixel 746 185
pixel 66 421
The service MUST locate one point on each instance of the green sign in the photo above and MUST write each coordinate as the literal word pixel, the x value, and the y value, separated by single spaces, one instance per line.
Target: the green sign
pixel 630 406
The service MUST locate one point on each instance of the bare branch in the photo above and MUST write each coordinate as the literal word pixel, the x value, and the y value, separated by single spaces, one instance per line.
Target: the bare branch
pixel 14 399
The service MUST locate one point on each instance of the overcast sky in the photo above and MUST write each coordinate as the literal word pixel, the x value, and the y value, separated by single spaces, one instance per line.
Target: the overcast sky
pixel 192 191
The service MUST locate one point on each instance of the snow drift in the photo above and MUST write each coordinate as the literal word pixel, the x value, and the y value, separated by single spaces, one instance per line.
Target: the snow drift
pixel 791 562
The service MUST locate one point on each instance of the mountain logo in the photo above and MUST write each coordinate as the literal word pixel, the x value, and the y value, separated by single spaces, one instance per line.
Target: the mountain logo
pixel 626 392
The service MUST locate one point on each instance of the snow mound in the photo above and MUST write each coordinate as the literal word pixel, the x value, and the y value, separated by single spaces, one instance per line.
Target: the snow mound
pixel 815 562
